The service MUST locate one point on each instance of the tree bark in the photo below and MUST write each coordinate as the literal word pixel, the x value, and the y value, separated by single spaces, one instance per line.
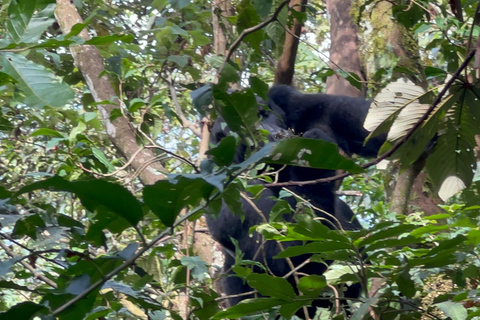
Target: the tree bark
pixel 286 64
pixel 344 49
pixel 90 63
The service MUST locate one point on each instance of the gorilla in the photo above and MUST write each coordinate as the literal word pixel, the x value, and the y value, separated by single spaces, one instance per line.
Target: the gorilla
pixel 335 119
pixel 339 117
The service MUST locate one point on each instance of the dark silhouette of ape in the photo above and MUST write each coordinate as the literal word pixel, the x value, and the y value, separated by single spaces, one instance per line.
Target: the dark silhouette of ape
pixel 316 116
pixel 340 117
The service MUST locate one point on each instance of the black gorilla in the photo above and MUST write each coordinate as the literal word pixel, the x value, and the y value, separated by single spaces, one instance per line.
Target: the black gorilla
pixel 316 116
pixel 340 117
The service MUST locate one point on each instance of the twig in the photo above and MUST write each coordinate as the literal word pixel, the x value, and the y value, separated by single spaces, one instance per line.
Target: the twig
pixel 28 266
pixel 185 122
pixel 244 33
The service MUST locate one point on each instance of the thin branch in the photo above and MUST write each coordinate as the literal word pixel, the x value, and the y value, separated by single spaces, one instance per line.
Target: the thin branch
pixel 246 32
pixel 28 266
pixel 178 109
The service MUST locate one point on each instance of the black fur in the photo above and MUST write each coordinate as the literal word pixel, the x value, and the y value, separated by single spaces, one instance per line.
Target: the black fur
pixel 340 117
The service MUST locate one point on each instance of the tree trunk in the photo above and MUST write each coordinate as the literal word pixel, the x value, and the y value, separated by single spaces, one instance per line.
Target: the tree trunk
pixel 286 64
pixel 90 63
pixel 344 49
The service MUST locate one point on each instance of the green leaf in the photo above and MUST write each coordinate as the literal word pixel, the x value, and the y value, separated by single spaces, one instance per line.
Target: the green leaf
pixel 24 311
pixel 404 280
pixel 288 309
pixel 239 110
pixel 311 153
pixel 231 196
pixel 450 166
pixel 392 243
pixel 197 266
pixel 314 247
pixel 126 38
pixel 177 30
pixel 229 74
pixel 78 284
pixel 181 61
pixel 36 83
pixel 89 116
pixel 262 6
pixel 199 37
pixel 433 71
pixel 271 286
pixel 167 197
pixel 6 265
pixel 259 87
pixel 224 152
pixel 97 153
pixel 95 194
pixel 4 194
pixel 19 16
pixel 28 226
pixel 450 244
pixel 392 231
pixel 247 307
pixel 456 311
pixel 179 4
pixel 428 229
pixel 202 97
pixel 47 132
pixel 312 285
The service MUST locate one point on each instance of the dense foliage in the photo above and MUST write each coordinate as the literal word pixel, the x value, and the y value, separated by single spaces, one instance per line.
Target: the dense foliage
pixel 82 238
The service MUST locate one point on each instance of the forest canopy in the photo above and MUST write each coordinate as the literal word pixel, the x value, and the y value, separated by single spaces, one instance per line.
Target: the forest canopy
pixel 108 165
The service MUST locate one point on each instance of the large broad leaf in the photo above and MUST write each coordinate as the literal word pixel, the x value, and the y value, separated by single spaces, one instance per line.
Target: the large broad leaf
pixel 95 194
pixel 311 153
pixel 202 97
pixel 167 197
pixel 404 280
pixel 423 137
pixel 223 154
pixel 40 87
pixel 247 307
pixel 314 247
pixel 455 311
pixel 28 20
pixel 24 310
pixel 19 16
pixel 312 285
pixel 397 106
pixel 239 110
pixel 397 100
pixel 451 166
pixel 275 287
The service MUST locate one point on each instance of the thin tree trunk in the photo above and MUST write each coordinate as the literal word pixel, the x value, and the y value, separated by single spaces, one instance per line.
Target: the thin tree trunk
pixel 286 64
pixel 90 63
pixel 344 49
